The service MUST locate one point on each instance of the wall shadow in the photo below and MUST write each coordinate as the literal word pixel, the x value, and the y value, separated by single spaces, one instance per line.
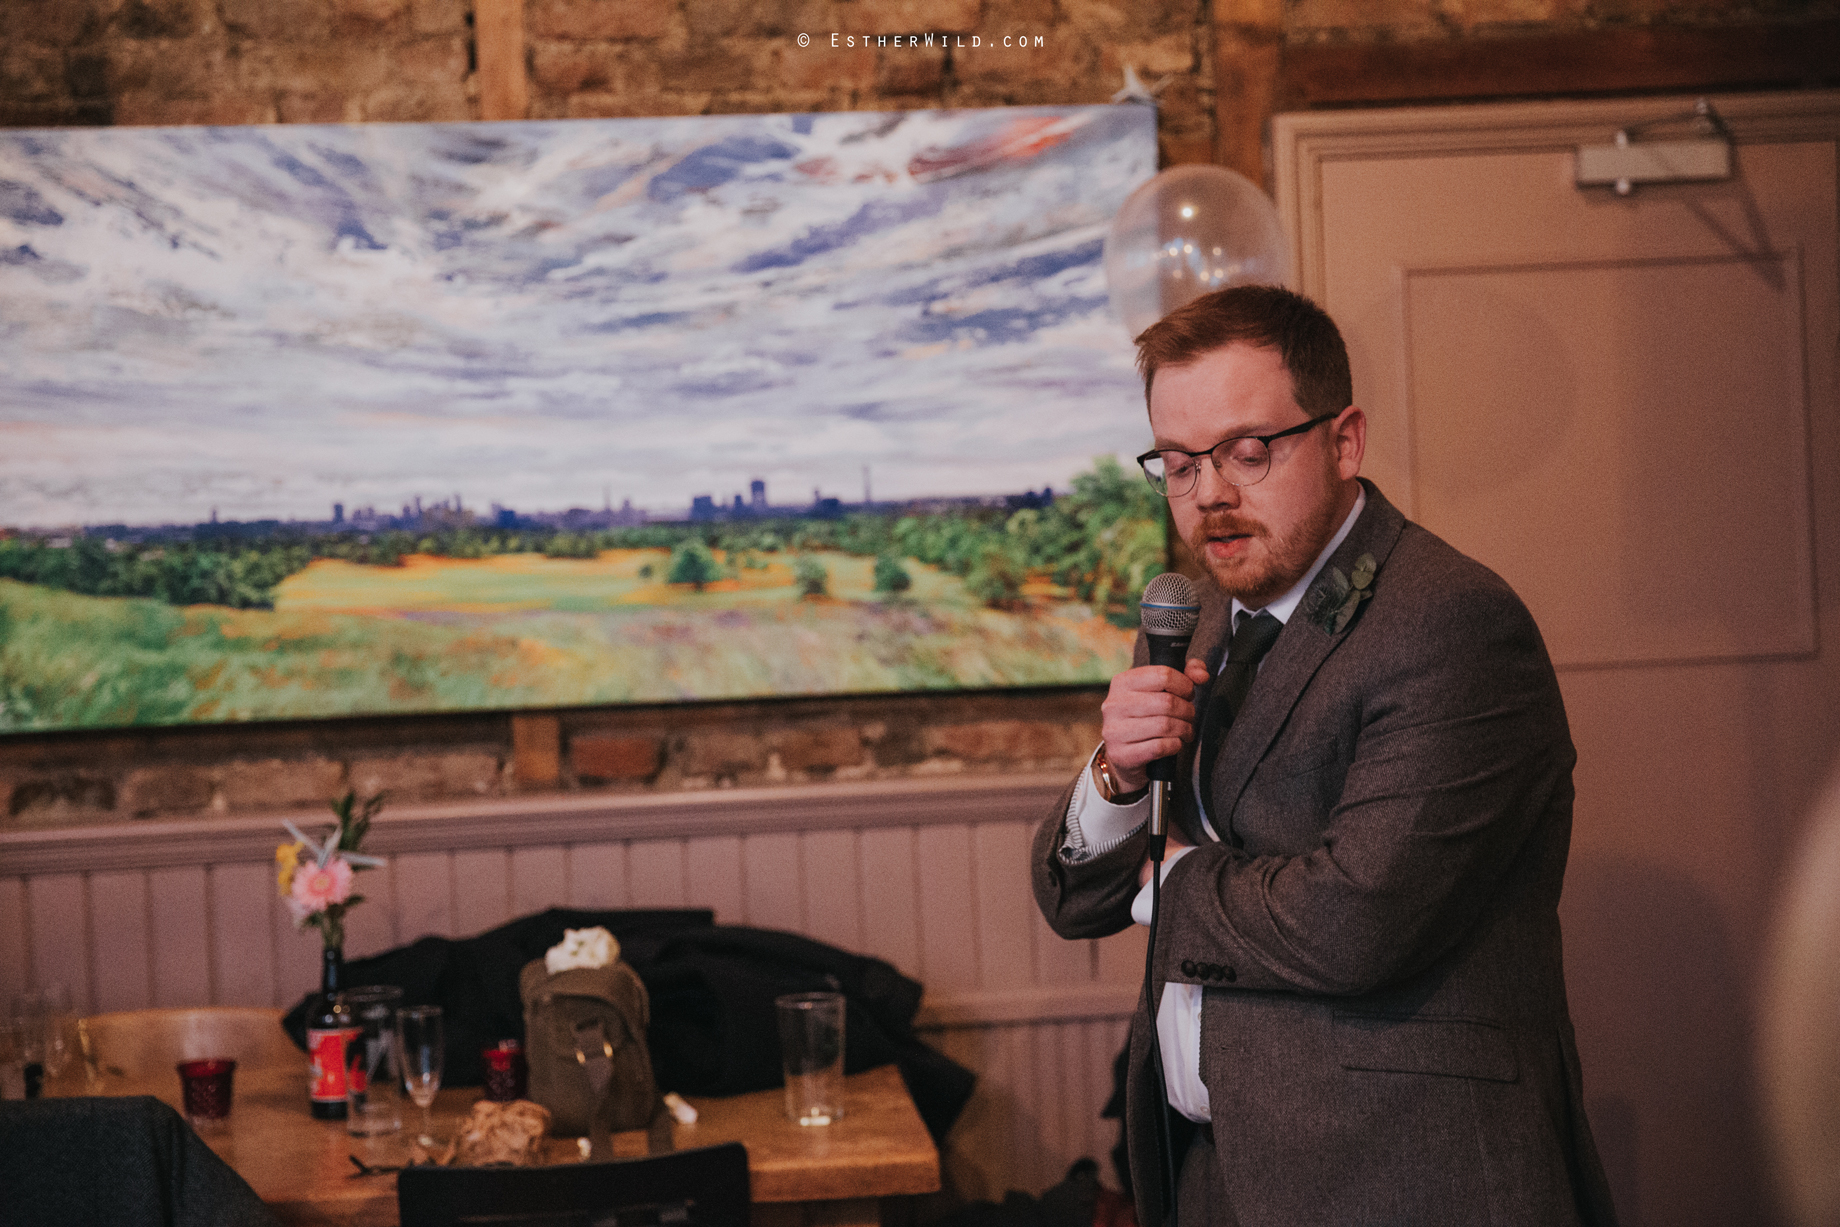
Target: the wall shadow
pixel 1662 1004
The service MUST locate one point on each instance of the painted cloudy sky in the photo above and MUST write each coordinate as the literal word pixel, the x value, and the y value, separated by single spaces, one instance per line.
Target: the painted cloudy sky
pixel 267 320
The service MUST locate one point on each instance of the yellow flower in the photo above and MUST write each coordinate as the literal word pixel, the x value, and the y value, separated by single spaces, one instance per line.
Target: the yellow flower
pixel 287 860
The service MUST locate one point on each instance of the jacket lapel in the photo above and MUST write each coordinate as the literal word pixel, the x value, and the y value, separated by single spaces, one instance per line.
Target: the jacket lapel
pixel 1299 651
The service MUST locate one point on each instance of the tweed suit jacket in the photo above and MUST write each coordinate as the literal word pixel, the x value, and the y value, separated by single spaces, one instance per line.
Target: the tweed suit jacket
pixel 1384 1033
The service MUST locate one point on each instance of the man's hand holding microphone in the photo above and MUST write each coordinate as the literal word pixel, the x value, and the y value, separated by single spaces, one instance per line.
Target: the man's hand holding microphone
pixel 1149 711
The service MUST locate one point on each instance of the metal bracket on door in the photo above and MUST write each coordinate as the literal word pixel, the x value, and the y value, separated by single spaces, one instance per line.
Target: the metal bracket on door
pixel 1627 162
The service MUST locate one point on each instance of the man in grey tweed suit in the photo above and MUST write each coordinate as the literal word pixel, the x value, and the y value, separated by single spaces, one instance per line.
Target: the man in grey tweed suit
pixel 1360 997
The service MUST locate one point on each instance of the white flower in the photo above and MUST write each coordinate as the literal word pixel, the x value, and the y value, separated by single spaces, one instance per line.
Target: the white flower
pixel 582 948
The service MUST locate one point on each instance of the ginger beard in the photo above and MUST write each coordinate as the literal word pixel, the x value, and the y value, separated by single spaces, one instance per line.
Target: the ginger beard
pixel 1262 565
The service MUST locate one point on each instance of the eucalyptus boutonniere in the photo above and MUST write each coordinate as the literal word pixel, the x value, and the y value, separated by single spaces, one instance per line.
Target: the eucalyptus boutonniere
pixel 1338 596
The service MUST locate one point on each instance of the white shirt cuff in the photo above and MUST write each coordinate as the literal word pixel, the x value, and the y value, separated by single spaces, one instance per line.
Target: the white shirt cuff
pixel 1095 826
pixel 1140 906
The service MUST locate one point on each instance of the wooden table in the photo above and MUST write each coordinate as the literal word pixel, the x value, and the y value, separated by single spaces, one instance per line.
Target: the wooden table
pixel 826 1176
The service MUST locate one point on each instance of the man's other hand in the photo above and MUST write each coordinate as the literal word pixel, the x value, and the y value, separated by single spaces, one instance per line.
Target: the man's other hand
pixel 1149 714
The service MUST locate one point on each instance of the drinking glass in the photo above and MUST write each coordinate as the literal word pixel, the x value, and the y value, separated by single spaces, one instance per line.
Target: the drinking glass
pixel 811 1045
pixel 12 1060
pixel 36 1038
pixel 421 1049
pixel 373 1091
pixel 207 1086
pixel 59 1021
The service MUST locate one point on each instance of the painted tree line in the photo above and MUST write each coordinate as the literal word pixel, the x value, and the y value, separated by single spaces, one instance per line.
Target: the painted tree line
pixel 1101 542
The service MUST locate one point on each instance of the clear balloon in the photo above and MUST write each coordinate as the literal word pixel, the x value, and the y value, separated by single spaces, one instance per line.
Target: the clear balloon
pixel 1189 231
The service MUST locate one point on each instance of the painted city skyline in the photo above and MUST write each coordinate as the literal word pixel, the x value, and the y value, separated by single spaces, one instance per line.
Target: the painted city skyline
pixel 263 322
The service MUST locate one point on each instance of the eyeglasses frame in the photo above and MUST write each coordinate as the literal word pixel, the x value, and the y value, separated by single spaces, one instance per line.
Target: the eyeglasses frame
pixel 1267 440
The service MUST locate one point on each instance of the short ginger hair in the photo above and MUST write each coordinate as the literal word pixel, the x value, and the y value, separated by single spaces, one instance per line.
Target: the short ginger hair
pixel 1266 316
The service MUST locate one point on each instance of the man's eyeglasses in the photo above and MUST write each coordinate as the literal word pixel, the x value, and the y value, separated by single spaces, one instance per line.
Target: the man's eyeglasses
pixel 1244 461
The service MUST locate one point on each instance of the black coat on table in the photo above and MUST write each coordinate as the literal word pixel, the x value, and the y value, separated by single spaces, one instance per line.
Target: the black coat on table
pixel 713 1025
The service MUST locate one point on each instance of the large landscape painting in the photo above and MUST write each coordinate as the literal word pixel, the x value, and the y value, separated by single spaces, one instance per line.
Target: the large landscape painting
pixel 323 421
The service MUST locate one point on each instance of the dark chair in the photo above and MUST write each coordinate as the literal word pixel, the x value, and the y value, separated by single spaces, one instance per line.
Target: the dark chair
pixel 706 1187
pixel 127 1162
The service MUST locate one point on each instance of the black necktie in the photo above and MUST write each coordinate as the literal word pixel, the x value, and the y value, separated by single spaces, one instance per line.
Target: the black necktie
pixel 1251 640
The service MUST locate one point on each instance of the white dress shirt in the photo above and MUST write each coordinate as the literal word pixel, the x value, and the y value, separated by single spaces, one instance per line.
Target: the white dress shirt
pixel 1095 826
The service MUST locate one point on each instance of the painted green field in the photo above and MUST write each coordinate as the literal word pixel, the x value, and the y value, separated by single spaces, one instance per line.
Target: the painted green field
pixel 522 631
pixel 512 582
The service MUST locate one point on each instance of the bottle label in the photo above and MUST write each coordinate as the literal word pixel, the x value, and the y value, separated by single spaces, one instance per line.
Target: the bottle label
pixel 355 1061
pixel 326 1064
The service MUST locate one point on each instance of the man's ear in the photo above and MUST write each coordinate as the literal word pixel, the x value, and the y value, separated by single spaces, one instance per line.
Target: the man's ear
pixel 1350 434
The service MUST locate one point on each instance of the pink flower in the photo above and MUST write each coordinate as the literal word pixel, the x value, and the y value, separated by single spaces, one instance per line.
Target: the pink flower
pixel 315 888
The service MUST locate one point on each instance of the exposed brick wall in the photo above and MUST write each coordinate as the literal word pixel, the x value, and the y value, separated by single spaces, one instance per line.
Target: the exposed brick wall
pixel 235 62
pixel 709 56
pixel 263 61
pixel 260 61
pixel 50 781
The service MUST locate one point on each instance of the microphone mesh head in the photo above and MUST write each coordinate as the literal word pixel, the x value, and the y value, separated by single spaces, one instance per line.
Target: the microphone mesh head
pixel 1169 605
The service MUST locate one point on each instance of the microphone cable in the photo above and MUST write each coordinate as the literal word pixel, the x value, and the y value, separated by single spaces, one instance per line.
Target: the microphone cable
pixel 1164 1142
pixel 1168 614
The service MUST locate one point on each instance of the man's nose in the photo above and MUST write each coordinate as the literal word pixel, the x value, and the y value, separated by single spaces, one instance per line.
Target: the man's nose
pixel 1212 489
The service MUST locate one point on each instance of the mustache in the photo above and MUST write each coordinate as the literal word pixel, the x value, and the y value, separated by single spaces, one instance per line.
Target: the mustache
pixel 1227 525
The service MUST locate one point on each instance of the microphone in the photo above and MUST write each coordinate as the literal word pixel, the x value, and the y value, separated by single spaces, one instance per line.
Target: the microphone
pixel 1167 613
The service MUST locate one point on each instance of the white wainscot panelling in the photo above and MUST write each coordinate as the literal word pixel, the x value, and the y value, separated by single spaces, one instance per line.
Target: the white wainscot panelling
pixel 242 935
pixel 179 916
pixel 597 876
pixel 1041 1086
pixel 932 876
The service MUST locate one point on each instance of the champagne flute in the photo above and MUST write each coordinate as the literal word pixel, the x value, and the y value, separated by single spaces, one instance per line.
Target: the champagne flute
pixel 422 1050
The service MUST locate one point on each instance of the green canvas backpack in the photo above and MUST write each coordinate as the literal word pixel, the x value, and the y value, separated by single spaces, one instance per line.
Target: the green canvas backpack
pixel 584 1038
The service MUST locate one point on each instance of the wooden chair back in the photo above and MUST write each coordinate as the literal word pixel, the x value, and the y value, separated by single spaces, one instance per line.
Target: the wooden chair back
pixel 705 1187
pixel 142 1045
